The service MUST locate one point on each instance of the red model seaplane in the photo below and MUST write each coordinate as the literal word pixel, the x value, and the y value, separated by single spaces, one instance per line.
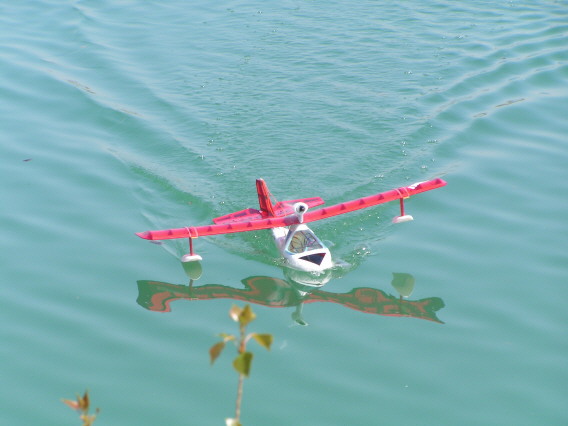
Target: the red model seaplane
pixel 296 242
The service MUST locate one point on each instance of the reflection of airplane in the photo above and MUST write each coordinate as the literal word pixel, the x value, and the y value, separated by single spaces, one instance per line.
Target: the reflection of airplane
pixel 287 219
pixel 274 292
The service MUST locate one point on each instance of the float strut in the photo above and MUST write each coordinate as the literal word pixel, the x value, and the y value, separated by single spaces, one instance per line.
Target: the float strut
pixel 191 257
pixel 403 216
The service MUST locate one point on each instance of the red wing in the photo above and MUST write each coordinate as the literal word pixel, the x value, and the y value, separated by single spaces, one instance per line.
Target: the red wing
pixel 202 231
pixel 310 216
pixel 373 200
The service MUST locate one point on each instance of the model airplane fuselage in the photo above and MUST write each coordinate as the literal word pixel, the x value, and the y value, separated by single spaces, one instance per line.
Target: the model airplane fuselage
pixel 294 239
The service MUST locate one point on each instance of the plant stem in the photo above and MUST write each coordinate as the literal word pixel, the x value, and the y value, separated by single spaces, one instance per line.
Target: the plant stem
pixel 242 348
pixel 239 399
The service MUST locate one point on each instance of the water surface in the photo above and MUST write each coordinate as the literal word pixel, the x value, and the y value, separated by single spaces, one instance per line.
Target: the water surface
pixel 118 117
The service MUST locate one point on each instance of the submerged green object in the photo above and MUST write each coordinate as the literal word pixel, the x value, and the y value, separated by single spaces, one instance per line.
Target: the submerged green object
pixel 403 283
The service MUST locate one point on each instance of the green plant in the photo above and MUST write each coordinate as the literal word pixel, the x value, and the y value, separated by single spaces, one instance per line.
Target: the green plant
pixel 242 363
pixel 82 405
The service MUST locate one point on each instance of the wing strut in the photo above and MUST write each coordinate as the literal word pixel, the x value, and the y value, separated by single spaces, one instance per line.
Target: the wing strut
pixel 403 192
pixel 191 256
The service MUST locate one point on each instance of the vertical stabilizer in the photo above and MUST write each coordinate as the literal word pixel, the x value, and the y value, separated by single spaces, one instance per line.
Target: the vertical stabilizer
pixel 264 201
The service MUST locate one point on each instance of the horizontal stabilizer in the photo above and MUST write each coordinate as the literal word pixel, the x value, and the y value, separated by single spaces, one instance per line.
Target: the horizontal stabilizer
pixel 285 208
pixel 240 216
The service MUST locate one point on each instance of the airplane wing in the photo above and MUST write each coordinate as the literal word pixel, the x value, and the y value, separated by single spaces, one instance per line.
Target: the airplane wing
pixel 373 200
pixel 202 231
pixel 291 219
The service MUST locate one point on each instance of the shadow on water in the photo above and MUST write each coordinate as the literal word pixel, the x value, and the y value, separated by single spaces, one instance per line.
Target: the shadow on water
pixel 296 290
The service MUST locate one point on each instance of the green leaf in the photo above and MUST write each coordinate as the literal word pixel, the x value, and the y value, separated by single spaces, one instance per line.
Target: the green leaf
pixel 86 401
pixel 226 337
pixel 264 340
pixel 243 362
pixel 216 350
pixel 246 316
pixel 235 313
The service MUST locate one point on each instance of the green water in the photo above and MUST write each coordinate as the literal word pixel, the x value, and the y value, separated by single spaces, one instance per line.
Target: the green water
pixel 119 117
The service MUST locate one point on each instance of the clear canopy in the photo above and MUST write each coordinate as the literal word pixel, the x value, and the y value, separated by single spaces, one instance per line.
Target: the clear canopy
pixel 303 241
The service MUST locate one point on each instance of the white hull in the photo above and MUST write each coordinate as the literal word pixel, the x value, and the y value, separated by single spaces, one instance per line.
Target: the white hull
pixel 301 248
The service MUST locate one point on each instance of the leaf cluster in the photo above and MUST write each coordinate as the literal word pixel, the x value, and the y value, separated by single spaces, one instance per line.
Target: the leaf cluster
pixel 242 363
pixel 82 404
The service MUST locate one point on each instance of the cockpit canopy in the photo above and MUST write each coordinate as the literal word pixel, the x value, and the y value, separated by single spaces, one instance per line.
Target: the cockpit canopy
pixel 301 249
pixel 303 245
pixel 302 241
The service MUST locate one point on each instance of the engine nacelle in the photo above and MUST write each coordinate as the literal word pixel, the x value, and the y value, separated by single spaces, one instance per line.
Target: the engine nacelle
pixel 300 209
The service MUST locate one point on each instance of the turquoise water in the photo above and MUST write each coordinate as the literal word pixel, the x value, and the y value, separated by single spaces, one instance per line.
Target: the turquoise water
pixel 119 117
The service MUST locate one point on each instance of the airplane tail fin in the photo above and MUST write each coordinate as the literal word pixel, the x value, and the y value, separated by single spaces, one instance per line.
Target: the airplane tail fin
pixel 264 198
